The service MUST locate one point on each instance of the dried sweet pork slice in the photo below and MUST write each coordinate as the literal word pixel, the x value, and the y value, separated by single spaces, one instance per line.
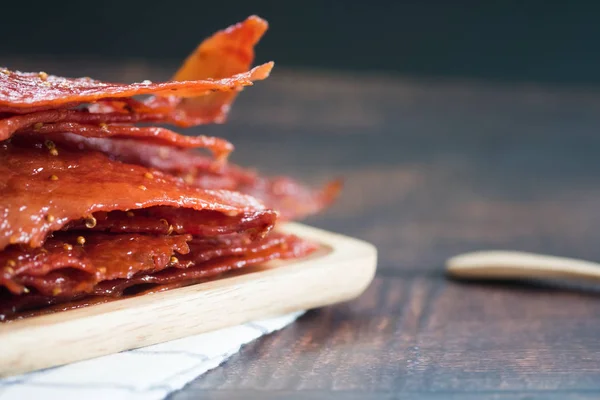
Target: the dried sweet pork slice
pixel 45 186
pixel 289 247
pixel 68 265
pixel 204 249
pixel 162 158
pixel 107 125
pixel 227 52
pixel 167 270
pixel 292 199
pixel 26 90
pixel 71 263
pixel 169 220
pixel 201 91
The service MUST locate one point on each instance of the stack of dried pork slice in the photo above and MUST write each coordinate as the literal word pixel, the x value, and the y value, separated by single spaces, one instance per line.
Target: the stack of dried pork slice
pixel 93 207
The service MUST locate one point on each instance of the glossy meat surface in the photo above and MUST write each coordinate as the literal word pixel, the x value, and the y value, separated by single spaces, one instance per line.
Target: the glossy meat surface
pixel 86 124
pixel 45 186
pixel 59 274
pixel 170 220
pixel 93 207
pixel 63 266
pixel 23 90
pixel 289 247
pixel 292 199
pixel 227 52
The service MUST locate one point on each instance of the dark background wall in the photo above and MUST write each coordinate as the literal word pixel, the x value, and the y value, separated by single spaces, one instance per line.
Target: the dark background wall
pixel 553 41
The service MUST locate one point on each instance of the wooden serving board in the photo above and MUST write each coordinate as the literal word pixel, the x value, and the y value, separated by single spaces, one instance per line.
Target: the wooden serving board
pixel 340 270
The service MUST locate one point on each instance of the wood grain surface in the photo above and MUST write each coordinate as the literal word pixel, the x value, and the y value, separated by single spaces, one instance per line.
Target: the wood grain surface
pixel 432 169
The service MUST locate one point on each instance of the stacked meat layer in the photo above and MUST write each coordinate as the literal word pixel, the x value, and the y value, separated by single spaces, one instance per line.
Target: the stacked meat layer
pixel 94 206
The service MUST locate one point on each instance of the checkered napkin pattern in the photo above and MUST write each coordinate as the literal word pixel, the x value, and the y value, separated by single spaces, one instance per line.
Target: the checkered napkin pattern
pixel 148 373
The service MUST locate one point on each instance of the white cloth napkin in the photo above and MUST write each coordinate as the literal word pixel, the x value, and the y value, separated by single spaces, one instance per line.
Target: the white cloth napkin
pixel 148 373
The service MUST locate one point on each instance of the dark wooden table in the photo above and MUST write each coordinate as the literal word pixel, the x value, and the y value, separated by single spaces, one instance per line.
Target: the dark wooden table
pixel 432 169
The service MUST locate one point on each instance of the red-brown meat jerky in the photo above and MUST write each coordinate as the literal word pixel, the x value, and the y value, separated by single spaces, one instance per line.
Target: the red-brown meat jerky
pixel 163 158
pixel 204 249
pixel 292 199
pixel 205 261
pixel 227 52
pixel 107 125
pixel 25 90
pixel 219 147
pixel 169 220
pixel 44 187
pixel 70 264
pixel 290 247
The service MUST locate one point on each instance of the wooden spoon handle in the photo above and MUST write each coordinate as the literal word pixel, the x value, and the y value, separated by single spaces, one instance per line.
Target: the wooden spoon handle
pixel 518 265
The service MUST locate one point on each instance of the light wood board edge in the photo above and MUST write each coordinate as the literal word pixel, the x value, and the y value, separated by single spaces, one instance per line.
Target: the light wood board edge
pixel 492 264
pixel 342 271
